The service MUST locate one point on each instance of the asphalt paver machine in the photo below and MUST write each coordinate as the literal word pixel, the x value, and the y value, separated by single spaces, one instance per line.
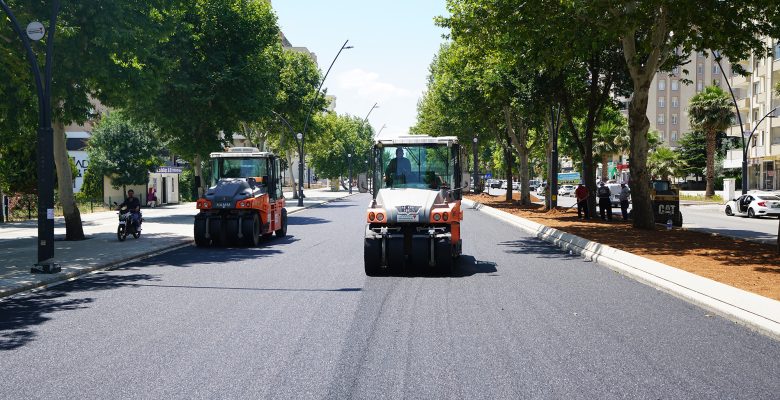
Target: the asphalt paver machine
pixel 244 202
pixel 414 218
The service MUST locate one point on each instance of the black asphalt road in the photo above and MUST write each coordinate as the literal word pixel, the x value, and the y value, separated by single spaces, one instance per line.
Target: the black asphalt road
pixel 297 318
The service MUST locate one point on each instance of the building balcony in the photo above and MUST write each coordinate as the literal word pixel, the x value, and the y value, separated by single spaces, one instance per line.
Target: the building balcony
pixel 743 103
pixel 733 159
pixel 774 150
pixel 735 130
pixel 757 152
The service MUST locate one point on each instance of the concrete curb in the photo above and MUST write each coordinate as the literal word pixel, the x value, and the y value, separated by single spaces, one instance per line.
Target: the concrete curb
pixel 60 278
pixel 756 312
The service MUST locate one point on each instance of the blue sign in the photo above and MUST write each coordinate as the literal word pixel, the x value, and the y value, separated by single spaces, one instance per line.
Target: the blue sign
pixel 488 176
pixel 569 177
pixel 169 170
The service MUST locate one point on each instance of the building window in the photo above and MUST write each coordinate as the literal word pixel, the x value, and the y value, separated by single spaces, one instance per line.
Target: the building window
pixel 700 69
pixel 777 51
pixel 661 119
pixel 674 136
pixel 662 84
pixel 676 70
pixel 675 102
pixel 757 88
pixel 674 120
pixel 715 70
pixel 675 84
pixel 716 82
pixel 699 86
pixel 661 102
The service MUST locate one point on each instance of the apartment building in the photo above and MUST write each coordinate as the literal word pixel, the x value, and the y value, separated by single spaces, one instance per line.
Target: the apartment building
pixel 671 93
pixel 756 99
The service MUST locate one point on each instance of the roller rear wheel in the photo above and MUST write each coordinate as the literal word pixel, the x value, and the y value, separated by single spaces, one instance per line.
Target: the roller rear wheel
pixel 282 232
pixel 444 257
pixel 250 229
pixel 372 257
pixel 200 233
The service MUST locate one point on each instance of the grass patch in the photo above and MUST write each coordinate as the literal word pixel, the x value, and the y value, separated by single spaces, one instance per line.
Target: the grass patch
pixel 699 197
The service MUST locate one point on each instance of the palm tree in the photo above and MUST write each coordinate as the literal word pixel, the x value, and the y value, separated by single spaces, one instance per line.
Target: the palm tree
pixel 711 112
pixel 665 163
pixel 611 138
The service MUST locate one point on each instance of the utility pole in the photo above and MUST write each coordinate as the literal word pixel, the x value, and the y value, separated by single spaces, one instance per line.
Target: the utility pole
pixel 476 167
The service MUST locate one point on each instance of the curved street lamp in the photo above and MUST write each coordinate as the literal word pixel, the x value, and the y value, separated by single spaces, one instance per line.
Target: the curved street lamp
pixel 746 136
pixel 45 147
pixel 306 124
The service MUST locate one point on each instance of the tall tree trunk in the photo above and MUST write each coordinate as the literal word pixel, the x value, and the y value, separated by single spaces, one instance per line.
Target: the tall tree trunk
pixel 642 206
pixel 604 170
pixel 521 145
pixel 589 173
pixel 73 228
pixel 199 176
pixel 508 156
pixel 292 175
pixel 710 165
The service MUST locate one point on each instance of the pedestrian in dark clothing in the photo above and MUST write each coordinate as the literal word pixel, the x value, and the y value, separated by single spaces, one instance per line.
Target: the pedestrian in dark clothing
pixel 581 194
pixel 605 205
pixel 624 194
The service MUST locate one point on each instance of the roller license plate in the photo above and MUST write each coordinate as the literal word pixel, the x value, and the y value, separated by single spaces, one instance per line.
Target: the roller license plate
pixel 408 217
pixel 224 204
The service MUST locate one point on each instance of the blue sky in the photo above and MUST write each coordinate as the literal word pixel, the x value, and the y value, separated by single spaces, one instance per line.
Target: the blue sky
pixel 394 41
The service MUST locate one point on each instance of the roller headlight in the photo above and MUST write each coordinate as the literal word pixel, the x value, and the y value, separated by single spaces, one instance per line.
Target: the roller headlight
pixel 445 216
pixel 436 217
pixel 380 217
pixel 371 216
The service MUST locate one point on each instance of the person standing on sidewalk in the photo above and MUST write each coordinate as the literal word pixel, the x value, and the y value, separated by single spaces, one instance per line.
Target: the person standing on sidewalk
pixel 581 194
pixel 605 205
pixel 624 194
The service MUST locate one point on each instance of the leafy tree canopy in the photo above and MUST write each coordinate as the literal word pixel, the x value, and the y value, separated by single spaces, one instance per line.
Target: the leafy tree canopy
pixel 123 150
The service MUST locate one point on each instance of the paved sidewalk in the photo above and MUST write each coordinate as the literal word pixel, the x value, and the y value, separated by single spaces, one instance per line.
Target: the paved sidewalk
pixel 165 228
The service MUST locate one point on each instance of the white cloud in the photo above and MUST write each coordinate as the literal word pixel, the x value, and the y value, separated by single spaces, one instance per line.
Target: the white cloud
pixel 367 84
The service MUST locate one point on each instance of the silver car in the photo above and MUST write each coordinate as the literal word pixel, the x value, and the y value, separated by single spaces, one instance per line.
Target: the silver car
pixel 754 205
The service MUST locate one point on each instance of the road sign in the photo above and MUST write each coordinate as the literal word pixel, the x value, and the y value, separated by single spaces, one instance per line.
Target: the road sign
pixel 488 176
pixel 35 31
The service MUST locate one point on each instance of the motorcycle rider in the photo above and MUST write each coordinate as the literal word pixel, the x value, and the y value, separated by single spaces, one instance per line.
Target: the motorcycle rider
pixel 133 206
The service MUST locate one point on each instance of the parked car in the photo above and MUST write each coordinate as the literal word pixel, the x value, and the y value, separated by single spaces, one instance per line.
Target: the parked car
pixel 494 183
pixel 566 190
pixel 754 205
pixel 614 194
pixel 541 189
pixel 515 185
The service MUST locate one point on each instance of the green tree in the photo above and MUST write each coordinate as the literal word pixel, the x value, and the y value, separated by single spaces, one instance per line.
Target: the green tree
pixel 218 69
pixel 123 151
pixel 101 48
pixel 710 111
pixel 665 163
pixel 341 135
pixel 299 79
pixel 611 138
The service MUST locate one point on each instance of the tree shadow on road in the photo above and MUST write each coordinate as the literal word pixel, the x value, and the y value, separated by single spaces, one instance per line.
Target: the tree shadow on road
pixel 536 247
pixel 19 315
pixel 191 256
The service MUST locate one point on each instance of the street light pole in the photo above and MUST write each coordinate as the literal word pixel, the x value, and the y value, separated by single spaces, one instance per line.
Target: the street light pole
pixel 306 123
pixel 45 143
pixel 476 168
pixel 349 156
pixel 745 141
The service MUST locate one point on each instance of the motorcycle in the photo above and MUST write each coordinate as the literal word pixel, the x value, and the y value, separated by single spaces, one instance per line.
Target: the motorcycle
pixel 126 227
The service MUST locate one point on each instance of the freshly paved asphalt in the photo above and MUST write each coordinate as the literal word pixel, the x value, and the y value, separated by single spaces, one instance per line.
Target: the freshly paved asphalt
pixel 297 318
